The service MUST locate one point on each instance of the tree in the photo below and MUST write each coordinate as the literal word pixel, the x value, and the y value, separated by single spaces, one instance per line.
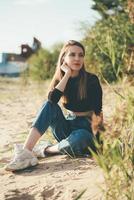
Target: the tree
pixel 107 42
pixel 41 65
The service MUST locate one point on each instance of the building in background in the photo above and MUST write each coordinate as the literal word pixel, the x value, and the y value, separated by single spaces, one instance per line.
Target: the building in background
pixel 12 64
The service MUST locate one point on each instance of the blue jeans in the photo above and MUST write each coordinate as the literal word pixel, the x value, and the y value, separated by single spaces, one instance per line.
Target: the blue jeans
pixel 74 135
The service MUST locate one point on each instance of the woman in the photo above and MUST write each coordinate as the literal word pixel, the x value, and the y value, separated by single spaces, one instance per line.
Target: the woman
pixel 81 94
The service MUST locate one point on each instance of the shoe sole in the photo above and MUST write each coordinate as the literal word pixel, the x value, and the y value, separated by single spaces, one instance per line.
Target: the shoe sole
pixel 31 163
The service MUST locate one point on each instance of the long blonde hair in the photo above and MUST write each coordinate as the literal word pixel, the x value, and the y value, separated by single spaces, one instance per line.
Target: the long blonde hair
pixel 59 73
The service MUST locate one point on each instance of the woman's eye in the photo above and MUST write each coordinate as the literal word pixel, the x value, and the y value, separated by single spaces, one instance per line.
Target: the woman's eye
pixel 81 55
pixel 72 54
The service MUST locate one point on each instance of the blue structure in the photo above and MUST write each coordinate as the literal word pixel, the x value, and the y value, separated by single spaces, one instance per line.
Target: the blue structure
pixel 13 64
pixel 12 67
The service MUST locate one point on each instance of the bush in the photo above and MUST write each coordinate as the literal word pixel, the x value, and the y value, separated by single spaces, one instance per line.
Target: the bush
pixel 41 65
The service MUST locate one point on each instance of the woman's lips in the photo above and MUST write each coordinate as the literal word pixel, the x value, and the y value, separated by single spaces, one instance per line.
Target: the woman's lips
pixel 77 64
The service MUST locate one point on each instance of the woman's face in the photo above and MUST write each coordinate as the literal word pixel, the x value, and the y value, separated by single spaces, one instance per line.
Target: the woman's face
pixel 74 57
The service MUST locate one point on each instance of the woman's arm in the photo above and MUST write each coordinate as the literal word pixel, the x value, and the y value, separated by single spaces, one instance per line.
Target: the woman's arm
pixel 55 94
pixel 62 84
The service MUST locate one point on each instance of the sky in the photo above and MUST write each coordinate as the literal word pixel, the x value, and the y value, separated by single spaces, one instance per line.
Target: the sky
pixel 50 21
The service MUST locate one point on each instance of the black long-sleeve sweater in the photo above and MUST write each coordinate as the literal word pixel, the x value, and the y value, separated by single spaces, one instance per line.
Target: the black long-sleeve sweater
pixel 93 102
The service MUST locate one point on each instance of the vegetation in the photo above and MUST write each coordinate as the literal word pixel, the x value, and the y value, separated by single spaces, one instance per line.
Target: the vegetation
pixel 110 53
pixel 42 64
pixel 110 43
pixel 117 158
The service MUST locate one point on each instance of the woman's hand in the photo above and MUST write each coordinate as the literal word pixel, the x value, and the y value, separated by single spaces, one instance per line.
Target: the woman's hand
pixel 66 69
pixel 63 82
pixel 96 121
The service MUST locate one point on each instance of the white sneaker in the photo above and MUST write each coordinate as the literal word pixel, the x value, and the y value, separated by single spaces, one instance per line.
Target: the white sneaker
pixel 22 159
pixel 39 149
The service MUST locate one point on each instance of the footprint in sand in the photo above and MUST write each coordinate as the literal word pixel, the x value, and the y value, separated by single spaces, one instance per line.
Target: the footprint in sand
pixel 18 195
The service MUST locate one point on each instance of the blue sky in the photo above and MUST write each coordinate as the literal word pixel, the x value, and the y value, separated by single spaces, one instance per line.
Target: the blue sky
pixel 48 20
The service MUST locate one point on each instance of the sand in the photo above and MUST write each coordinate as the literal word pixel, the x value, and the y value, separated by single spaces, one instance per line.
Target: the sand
pixel 55 178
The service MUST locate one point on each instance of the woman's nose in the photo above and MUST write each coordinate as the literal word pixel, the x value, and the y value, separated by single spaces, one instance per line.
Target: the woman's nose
pixel 76 57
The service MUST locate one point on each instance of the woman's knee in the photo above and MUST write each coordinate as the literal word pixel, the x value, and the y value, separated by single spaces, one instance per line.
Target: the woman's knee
pixel 77 143
pixel 48 103
pixel 50 106
pixel 47 114
pixel 80 137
